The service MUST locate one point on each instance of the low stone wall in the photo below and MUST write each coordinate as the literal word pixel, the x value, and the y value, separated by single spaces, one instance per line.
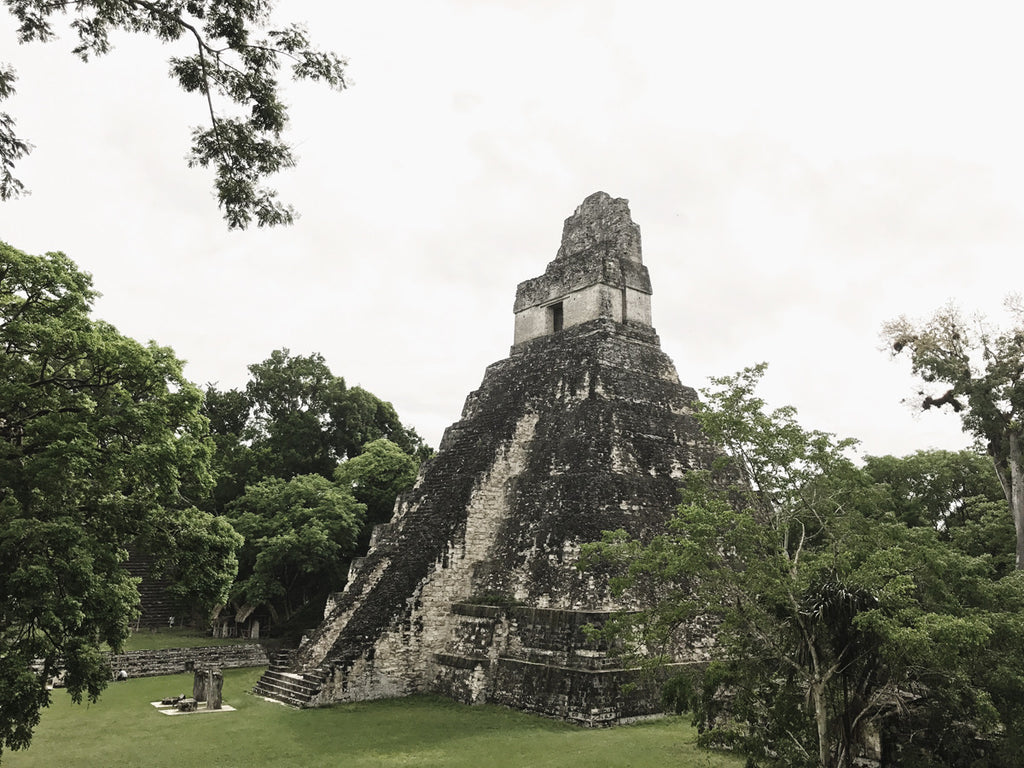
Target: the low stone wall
pixel 172 661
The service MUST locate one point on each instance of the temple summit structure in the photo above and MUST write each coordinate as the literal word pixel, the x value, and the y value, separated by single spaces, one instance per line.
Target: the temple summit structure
pixel 473 590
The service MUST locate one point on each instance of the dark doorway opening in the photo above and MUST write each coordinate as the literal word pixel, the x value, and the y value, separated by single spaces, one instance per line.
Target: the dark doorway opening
pixel 557 318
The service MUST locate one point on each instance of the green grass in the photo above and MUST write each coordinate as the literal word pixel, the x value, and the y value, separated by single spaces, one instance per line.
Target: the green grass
pixel 122 729
pixel 182 637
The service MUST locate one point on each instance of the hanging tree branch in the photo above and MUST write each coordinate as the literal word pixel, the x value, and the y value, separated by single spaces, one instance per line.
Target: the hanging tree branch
pixel 230 68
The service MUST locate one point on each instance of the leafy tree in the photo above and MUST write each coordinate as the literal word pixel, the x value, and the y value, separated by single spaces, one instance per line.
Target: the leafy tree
pixel 980 373
pixel 956 493
pixel 101 444
pixel 291 428
pixel 936 488
pixel 194 549
pixel 297 421
pixel 833 619
pixel 376 477
pixel 232 67
pixel 299 536
pixel 234 462
pixel 367 418
pixel 295 417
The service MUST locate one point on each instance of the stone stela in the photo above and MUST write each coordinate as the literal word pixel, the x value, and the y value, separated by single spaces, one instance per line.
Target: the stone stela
pixel 472 589
pixel 207 687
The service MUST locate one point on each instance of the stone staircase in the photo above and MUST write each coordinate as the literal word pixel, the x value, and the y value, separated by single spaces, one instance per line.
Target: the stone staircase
pixel 155 605
pixel 290 688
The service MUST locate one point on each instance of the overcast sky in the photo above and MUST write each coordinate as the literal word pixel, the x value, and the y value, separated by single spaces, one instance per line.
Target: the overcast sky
pixel 801 172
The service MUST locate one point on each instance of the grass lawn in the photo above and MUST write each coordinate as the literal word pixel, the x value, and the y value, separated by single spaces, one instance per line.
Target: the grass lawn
pixel 181 637
pixel 124 730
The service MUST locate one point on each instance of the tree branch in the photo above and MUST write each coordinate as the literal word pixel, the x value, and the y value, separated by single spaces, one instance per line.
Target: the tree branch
pixel 938 402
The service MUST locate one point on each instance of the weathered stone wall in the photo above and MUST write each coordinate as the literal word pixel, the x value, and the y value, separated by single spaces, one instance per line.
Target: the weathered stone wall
pixel 597 274
pixel 601 224
pixel 543 661
pixel 574 273
pixel 156 607
pixel 590 303
pixel 171 661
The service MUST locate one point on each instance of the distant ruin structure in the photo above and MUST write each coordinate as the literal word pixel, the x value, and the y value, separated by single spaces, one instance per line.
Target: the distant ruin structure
pixel 473 590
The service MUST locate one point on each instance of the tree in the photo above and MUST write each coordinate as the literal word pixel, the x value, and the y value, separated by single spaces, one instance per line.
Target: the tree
pixel 957 494
pixel 295 417
pixel 833 618
pixel 101 444
pixel 291 400
pixel 299 536
pixel 193 550
pixel 934 488
pixel 980 373
pixel 234 462
pixel 297 421
pixel 230 66
pixel 376 477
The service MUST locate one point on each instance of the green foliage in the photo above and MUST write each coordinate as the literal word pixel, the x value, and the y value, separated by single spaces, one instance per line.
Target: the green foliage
pixel 294 418
pixel 194 550
pixel 299 535
pixel 833 616
pixel 955 493
pixel 290 425
pixel 377 476
pixel 979 372
pixel 936 488
pixel 297 420
pixel 101 444
pixel 231 68
pixel 234 462
pixel 12 149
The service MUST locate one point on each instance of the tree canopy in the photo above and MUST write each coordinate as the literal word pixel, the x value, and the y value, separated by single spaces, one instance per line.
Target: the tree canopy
pixel 299 537
pixel 230 60
pixel 376 477
pixel 957 494
pixel 301 458
pixel 295 417
pixel 977 371
pixel 834 619
pixel 102 444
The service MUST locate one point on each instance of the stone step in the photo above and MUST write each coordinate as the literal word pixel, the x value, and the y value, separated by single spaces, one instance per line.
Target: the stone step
pixel 315 676
pixel 281 697
pixel 282 660
pixel 293 689
pixel 295 692
pixel 290 681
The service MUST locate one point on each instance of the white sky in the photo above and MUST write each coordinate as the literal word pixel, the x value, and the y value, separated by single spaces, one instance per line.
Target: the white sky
pixel 801 172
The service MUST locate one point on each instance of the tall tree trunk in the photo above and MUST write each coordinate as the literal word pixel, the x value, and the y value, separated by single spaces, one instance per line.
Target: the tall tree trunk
pixel 1008 460
pixel 1016 496
pixel 818 698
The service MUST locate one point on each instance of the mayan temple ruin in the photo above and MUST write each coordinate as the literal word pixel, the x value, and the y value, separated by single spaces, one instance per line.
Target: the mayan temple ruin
pixel 472 589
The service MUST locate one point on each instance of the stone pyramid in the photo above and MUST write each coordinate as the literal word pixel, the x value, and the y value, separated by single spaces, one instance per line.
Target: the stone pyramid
pixel 472 589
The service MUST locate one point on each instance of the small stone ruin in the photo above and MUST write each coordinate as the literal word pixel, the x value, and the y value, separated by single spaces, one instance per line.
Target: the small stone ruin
pixel 473 590
pixel 207 686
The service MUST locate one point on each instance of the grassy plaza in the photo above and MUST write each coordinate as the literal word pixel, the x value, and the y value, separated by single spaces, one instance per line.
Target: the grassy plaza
pixel 122 729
